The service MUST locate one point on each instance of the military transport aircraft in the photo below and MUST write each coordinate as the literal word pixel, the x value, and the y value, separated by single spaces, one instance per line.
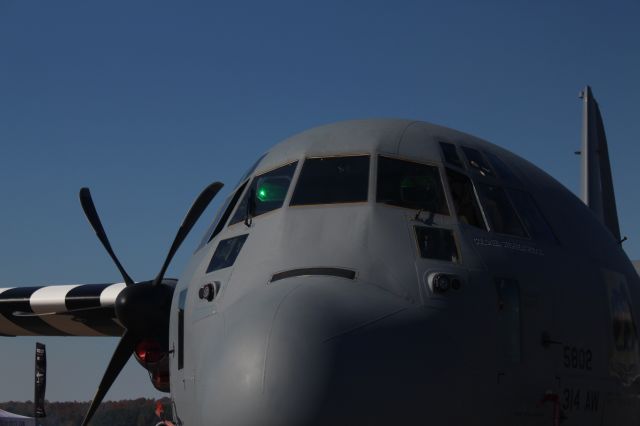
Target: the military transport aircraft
pixel 380 272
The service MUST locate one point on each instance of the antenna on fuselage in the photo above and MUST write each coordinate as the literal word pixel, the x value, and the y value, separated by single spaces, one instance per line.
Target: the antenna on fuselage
pixel 597 184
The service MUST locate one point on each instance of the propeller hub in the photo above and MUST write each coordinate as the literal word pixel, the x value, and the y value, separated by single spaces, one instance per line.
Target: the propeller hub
pixel 144 309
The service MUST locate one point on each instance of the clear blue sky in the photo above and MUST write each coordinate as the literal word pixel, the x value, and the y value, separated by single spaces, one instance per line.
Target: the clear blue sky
pixel 147 102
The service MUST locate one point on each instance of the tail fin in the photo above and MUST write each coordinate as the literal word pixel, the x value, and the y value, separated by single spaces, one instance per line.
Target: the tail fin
pixel 597 184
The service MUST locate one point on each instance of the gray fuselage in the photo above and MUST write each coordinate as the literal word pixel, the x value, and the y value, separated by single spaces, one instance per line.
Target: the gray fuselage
pixel 382 310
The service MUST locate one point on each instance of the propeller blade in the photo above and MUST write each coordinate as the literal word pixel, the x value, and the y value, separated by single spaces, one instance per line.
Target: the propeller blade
pixel 92 214
pixel 123 352
pixel 199 205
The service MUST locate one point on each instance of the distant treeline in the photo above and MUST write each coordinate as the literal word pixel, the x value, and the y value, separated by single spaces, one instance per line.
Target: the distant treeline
pixel 134 412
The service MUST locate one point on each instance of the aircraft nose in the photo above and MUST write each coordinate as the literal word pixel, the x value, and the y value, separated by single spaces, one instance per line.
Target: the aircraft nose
pixel 305 342
pixel 279 371
pixel 331 351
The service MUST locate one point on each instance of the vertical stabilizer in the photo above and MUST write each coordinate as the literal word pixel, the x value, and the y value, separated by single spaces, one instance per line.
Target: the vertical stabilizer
pixel 597 184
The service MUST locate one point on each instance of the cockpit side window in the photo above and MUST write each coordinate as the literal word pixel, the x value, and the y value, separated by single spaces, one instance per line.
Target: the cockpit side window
pixel 266 193
pixel 531 216
pixel 332 180
pixel 437 243
pixel 221 217
pixel 504 172
pixel 464 199
pixel 227 207
pixel 500 213
pixel 450 154
pixel 408 184
pixel 226 253
pixel 477 162
pixel 226 212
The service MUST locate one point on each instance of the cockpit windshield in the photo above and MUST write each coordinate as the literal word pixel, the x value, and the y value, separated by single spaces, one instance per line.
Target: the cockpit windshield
pixel 408 184
pixel 332 180
pixel 266 193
